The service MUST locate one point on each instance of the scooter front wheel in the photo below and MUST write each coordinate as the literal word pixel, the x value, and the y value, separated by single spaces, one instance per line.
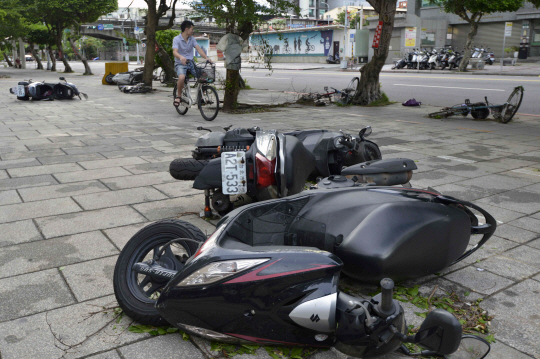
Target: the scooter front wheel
pixel 137 293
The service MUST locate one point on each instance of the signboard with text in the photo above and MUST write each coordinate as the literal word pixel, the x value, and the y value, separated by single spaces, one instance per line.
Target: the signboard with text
pixel 410 36
pixel 508 29
pixel 377 37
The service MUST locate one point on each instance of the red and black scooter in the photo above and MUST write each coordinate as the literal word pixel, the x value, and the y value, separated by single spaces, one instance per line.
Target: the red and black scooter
pixel 269 274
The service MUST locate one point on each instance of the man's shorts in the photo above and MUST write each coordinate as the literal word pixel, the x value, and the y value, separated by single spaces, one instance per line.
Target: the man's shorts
pixel 183 69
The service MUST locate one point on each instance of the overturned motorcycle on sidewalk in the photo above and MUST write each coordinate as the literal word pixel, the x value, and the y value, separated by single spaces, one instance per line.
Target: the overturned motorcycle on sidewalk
pixel 245 165
pixel 269 274
pixel 46 91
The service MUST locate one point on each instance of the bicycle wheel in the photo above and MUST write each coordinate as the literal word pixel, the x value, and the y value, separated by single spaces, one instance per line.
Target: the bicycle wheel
pixel 353 84
pixel 443 113
pixel 512 104
pixel 208 101
pixel 182 108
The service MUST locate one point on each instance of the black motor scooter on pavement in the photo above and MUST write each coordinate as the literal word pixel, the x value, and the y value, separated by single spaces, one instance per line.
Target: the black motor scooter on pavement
pixel 269 274
pixel 245 165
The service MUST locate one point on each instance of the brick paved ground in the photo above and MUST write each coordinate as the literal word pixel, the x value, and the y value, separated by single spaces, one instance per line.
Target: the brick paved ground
pixel 78 178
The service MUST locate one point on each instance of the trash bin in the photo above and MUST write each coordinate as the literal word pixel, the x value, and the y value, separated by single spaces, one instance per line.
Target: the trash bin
pixel 111 69
pixel 522 54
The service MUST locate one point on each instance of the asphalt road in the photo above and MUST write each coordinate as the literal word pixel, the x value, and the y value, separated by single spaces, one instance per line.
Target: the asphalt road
pixel 438 90
pixel 433 89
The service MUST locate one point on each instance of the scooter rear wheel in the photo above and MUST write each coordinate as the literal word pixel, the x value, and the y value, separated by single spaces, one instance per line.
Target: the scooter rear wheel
pixel 186 169
pixel 137 293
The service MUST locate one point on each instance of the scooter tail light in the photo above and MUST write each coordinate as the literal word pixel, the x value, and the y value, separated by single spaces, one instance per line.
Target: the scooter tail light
pixel 266 173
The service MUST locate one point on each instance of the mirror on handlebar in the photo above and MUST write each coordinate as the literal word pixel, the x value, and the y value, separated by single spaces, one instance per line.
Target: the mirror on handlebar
pixel 471 347
pixel 62 78
pixel 440 332
pixel 365 132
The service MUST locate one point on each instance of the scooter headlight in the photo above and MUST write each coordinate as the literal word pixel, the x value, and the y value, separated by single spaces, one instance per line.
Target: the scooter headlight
pixel 218 270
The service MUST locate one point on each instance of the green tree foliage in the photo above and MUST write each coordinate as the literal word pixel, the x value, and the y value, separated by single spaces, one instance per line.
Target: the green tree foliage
pixel 239 17
pixel 472 12
pixel 354 18
pixel 64 14
pixel 165 39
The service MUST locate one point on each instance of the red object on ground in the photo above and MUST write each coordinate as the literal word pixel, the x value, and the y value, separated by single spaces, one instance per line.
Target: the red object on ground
pixel 377 37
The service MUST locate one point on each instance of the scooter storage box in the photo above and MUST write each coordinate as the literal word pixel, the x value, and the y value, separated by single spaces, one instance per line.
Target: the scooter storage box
pixel 377 232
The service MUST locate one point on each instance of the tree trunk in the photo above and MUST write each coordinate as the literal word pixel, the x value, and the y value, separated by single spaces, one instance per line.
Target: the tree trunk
pixel 230 100
pixel 60 48
pixel 150 29
pixel 6 57
pixel 468 45
pixel 36 57
pixel 168 64
pixel 53 59
pixel 369 88
pixel 87 70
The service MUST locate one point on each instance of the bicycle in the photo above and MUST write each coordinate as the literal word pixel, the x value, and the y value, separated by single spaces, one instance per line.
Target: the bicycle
pixel 481 110
pixel 207 97
pixel 344 96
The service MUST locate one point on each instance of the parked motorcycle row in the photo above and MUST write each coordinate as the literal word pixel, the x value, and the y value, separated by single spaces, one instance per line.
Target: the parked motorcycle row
pixel 46 91
pixel 269 274
pixel 441 58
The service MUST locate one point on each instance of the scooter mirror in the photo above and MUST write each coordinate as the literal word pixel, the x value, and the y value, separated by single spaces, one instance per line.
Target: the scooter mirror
pixel 471 347
pixel 63 78
pixel 440 332
pixel 366 131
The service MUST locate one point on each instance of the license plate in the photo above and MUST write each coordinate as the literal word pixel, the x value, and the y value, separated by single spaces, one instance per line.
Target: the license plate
pixel 233 172
pixel 20 91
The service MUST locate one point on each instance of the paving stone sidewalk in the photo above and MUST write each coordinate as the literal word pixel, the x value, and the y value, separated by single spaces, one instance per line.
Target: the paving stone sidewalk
pixel 79 178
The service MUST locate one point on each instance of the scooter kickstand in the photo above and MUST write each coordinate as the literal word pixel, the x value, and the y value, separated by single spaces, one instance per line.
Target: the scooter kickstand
pixel 207 209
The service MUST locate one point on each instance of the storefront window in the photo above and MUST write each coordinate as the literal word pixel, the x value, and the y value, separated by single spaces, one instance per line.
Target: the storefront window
pixel 536 35
pixel 427 3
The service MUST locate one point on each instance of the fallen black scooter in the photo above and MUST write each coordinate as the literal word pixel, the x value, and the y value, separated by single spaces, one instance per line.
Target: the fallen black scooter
pixel 245 165
pixel 269 274
pixel 45 91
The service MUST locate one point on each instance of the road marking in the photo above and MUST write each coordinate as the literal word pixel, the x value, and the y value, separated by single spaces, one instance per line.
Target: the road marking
pixel 449 77
pixel 472 129
pixel 350 114
pixel 526 114
pixel 397 148
pixel 527 172
pixel 421 123
pixel 447 87
pixel 268 77
pixel 452 158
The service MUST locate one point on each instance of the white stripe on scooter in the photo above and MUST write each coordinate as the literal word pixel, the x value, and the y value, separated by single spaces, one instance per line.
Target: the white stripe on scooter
pixel 452 158
pixel 446 87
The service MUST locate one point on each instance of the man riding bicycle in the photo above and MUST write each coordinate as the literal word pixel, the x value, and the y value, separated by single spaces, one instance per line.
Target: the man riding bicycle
pixel 183 46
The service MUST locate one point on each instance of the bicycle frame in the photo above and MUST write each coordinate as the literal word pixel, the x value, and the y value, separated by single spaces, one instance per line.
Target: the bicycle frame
pixel 190 99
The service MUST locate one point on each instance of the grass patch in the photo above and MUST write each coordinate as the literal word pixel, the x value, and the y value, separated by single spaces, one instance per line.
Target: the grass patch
pixel 245 108
pixel 382 101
